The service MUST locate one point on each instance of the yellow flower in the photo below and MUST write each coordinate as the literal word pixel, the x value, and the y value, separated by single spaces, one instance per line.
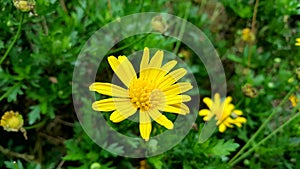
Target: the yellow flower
pixel 223 111
pixel 24 5
pixel 294 100
pixel 247 35
pixel 297 42
pixel 12 121
pixel 155 89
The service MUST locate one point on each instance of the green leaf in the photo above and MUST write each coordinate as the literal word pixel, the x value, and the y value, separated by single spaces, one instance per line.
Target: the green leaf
pixel 224 148
pixel 156 161
pixel 34 115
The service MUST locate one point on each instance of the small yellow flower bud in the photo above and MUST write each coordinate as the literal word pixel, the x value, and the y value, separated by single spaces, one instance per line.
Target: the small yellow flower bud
pixel 249 90
pixel 12 121
pixel 297 42
pixel 248 35
pixel 158 24
pixel 24 5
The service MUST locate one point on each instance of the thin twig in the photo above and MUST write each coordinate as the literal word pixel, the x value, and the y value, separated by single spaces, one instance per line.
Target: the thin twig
pixel 253 30
pixel 25 157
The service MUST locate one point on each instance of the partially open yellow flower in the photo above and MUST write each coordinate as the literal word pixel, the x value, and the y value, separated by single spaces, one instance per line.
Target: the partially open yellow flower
pixel 155 89
pixel 24 5
pixel 223 111
pixel 12 121
pixel 294 100
pixel 297 42
pixel 247 35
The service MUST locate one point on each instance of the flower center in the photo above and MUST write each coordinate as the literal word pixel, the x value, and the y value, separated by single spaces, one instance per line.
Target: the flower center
pixel 143 95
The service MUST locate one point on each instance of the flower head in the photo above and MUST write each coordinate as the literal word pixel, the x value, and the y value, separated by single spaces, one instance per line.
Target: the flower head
pixel 155 89
pixel 247 35
pixel 294 100
pixel 12 121
pixel 223 111
pixel 297 42
pixel 24 5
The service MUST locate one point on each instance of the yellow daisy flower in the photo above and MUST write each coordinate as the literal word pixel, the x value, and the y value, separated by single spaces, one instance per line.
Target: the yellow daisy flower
pixel 247 35
pixel 12 121
pixel 294 100
pixel 223 111
pixel 151 92
pixel 297 42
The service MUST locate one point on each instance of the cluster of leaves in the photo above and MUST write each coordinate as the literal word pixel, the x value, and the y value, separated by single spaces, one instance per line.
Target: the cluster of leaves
pixel 36 78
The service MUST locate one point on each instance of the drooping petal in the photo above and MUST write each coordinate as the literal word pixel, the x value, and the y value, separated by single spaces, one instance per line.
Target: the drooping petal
pixel 145 125
pixel 109 89
pixel 122 68
pixel 222 128
pixel 161 119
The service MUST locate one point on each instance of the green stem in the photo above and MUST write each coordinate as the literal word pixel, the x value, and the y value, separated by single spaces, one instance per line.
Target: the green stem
pixel 126 46
pixel 15 39
pixel 266 138
pixel 182 28
pixel 36 125
pixel 263 125
pixel 10 90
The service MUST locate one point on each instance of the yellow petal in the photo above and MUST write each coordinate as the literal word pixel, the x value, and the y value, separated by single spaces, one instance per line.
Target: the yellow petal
pixel 168 66
pixel 171 78
pixel 222 128
pixel 204 112
pixel 109 89
pixel 104 105
pixel 177 99
pixel 161 119
pixel 176 108
pixel 156 60
pixel 178 88
pixel 208 102
pixel 122 68
pixel 145 60
pixel 122 113
pixel 238 112
pixel 145 125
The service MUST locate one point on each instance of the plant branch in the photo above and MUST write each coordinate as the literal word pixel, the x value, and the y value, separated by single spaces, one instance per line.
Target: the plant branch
pixel 263 125
pixel 15 39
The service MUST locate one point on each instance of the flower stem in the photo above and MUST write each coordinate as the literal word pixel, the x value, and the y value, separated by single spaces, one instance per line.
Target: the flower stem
pixel 266 138
pixel 182 28
pixel 253 30
pixel 262 126
pixel 15 39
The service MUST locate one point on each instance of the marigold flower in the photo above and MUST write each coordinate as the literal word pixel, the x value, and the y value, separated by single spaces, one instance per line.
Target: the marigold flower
pixel 223 111
pixel 297 42
pixel 247 35
pixel 12 121
pixel 24 5
pixel 155 89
